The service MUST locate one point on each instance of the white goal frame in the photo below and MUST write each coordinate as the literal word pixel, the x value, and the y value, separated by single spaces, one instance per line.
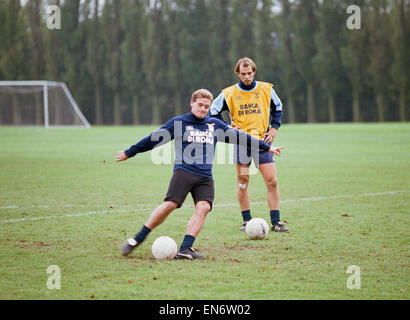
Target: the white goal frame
pixel 45 85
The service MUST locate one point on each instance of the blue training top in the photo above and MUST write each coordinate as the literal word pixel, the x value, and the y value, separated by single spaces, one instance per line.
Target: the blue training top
pixel 195 141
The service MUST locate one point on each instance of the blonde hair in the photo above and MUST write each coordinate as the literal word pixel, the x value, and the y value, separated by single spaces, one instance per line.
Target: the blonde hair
pixel 245 61
pixel 202 93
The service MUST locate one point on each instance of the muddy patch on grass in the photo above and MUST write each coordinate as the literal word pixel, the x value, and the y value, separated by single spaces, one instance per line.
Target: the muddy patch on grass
pixel 35 245
pixel 249 247
pixel 24 244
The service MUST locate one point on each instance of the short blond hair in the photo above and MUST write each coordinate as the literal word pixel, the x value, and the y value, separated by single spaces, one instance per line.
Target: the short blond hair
pixel 202 93
pixel 245 61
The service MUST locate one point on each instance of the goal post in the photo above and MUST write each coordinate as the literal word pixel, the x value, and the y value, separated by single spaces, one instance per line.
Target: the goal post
pixel 41 103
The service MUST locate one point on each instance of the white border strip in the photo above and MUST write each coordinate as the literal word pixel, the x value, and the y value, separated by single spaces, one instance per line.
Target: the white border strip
pixel 89 213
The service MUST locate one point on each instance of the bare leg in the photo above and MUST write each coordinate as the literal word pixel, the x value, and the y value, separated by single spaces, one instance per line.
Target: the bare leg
pixel 268 171
pixel 160 213
pixel 242 173
pixel 197 220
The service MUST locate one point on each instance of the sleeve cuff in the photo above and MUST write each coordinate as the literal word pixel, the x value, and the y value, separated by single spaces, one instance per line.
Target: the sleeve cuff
pixel 128 153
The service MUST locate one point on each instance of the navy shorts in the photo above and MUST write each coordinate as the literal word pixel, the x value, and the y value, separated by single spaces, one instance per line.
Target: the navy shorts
pixel 243 155
pixel 183 182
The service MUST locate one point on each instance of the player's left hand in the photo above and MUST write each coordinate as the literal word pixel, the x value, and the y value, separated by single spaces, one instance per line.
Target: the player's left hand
pixel 275 150
pixel 270 135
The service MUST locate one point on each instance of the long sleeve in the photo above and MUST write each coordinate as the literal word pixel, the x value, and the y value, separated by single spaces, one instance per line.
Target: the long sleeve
pixel 218 106
pixel 276 111
pixel 234 136
pixel 155 139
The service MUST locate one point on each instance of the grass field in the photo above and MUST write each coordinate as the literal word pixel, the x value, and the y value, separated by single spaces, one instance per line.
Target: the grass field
pixel 345 191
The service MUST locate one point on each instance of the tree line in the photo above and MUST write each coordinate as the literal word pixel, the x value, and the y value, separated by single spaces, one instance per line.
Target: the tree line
pixel 138 61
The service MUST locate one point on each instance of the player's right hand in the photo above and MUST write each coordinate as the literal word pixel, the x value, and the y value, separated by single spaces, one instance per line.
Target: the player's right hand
pixel 121 156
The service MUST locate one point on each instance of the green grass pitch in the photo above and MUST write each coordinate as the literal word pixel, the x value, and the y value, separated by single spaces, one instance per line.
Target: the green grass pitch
pixel 345 192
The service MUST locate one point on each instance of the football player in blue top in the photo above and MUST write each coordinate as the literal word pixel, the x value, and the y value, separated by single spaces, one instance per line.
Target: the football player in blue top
pixel 195 135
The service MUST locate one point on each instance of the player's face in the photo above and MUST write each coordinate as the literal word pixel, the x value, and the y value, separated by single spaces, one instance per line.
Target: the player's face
pixel 246 74
pixel 200 107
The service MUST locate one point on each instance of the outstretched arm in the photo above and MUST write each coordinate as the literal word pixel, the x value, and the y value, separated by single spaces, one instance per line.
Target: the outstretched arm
pixel 155 139
pixel 238 137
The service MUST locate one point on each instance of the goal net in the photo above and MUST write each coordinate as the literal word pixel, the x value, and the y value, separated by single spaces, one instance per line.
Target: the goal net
pixel 39 103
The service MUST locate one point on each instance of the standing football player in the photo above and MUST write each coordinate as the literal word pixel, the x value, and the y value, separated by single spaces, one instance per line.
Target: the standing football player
pixel 250 103
pixel 195 135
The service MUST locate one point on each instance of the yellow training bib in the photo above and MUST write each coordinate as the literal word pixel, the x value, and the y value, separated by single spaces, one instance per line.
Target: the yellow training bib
pixel 250 109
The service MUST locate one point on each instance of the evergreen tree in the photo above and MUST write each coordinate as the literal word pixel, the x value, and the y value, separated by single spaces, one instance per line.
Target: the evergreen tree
pixel 34 11
pixel 401 53
pixel 355 57
pixel 380 58
pixel 265 36
pixel 74 49
pixel 15 55
pixel 133 24
pixel 220 43
pixel 174 74
pixel 53 52
pixel 327 62
pixel 157 52
pixel 242 20
pixel 95 59
pixel 304 49
pixel 156 58
pixel 285 58
pixel 113 38
pixel 197 67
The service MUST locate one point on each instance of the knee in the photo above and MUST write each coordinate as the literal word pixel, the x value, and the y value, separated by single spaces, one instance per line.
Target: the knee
pixel 170 205
pixel 272 183
pixel 203 207
pixel 243 182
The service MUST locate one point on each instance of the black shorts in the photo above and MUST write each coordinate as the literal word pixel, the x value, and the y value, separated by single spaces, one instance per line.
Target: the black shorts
pixel 183 182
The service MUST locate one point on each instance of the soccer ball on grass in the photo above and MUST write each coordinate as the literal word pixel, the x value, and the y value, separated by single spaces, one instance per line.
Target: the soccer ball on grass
pixel 164 248
pixel 257 229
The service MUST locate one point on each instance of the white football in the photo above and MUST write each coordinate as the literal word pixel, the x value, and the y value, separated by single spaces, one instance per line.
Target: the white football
pixel 257 229
pixel 164 248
